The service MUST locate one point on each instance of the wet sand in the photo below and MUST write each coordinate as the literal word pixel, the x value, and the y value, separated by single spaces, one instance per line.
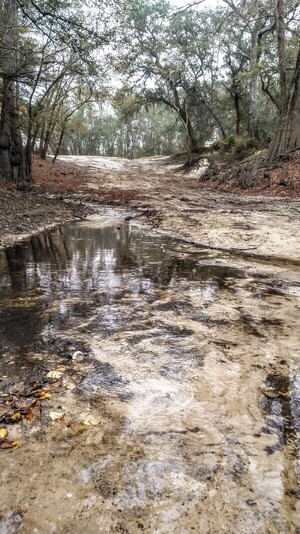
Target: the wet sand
pixel 190 370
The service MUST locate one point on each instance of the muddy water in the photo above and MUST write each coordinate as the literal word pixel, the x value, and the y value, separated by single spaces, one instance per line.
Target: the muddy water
pixel 191 369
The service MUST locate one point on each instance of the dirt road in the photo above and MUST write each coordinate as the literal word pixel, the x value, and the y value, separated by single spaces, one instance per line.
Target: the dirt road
pixel 181 412
pixel 161 196
pixel 180 207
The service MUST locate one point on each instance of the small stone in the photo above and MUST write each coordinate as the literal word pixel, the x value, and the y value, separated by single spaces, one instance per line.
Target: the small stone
pixel 78 355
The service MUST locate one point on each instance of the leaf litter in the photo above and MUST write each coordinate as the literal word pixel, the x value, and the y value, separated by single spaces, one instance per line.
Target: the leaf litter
pixel 24 404
pixel 21 404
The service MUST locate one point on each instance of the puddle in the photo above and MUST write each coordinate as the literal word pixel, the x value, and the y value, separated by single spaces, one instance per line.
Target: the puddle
pixel 59 278
pixel 190 365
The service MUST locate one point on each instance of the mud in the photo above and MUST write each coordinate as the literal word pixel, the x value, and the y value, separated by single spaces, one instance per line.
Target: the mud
pixel 190 369
pixel 157 195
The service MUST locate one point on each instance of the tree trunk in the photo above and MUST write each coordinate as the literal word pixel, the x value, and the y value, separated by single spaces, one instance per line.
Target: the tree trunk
pixel 237 114
pixel 13 165
pixel 57 150
pixel 287 136
pixel 181 109
pixel 280 31
pixel 253 86
pixel 215 117
pixel 46 140
pixel 235 92
pixel 29 142
pixel 190 135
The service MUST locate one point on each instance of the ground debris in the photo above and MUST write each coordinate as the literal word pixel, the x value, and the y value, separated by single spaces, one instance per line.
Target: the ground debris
pixel 20 404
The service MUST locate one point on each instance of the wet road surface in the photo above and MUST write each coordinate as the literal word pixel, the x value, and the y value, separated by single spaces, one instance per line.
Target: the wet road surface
pixel 191 370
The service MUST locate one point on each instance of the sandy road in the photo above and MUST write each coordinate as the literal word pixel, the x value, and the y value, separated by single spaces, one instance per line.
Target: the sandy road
pixel 192 357
pixel 181 207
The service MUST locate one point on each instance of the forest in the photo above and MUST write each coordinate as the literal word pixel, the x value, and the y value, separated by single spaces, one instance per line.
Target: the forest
pixel 130 78
pixel 149 266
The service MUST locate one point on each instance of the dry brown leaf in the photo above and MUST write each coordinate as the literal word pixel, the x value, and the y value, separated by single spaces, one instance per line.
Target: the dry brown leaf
pixel 70 424
pixel 29 417
pixel 7 444
pixel 80 431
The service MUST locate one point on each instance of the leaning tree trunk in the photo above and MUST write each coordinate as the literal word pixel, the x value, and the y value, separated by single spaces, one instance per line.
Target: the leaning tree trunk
pixel 192 142
pixel 287 136
pixel 13 166
pixel 181 109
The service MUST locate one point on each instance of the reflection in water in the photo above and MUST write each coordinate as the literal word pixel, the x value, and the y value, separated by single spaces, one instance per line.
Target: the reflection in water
pixel 69 265
pixel 191 374
pixel 281 404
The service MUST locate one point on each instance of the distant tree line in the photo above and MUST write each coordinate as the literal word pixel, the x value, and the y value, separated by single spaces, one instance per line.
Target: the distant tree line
pixel 98 131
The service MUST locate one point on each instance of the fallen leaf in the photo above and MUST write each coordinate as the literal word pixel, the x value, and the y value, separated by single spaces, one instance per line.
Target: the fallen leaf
pixel 32 390
pixel 43 395
pixel 24 410
pixel 54 374
pixel 71 386
pixel 29 417
pixel 70 424
pixel 3 433
pixel 54 386
pixel 80 431
pixel 16 416
pixel 90 422
pixel 7 444
pixel 55 416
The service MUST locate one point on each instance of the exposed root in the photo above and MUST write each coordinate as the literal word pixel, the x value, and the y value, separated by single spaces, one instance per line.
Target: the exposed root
pixel 255 173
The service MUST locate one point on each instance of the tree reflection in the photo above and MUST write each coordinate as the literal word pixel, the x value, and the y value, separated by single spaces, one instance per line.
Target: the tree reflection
pixel 61 269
